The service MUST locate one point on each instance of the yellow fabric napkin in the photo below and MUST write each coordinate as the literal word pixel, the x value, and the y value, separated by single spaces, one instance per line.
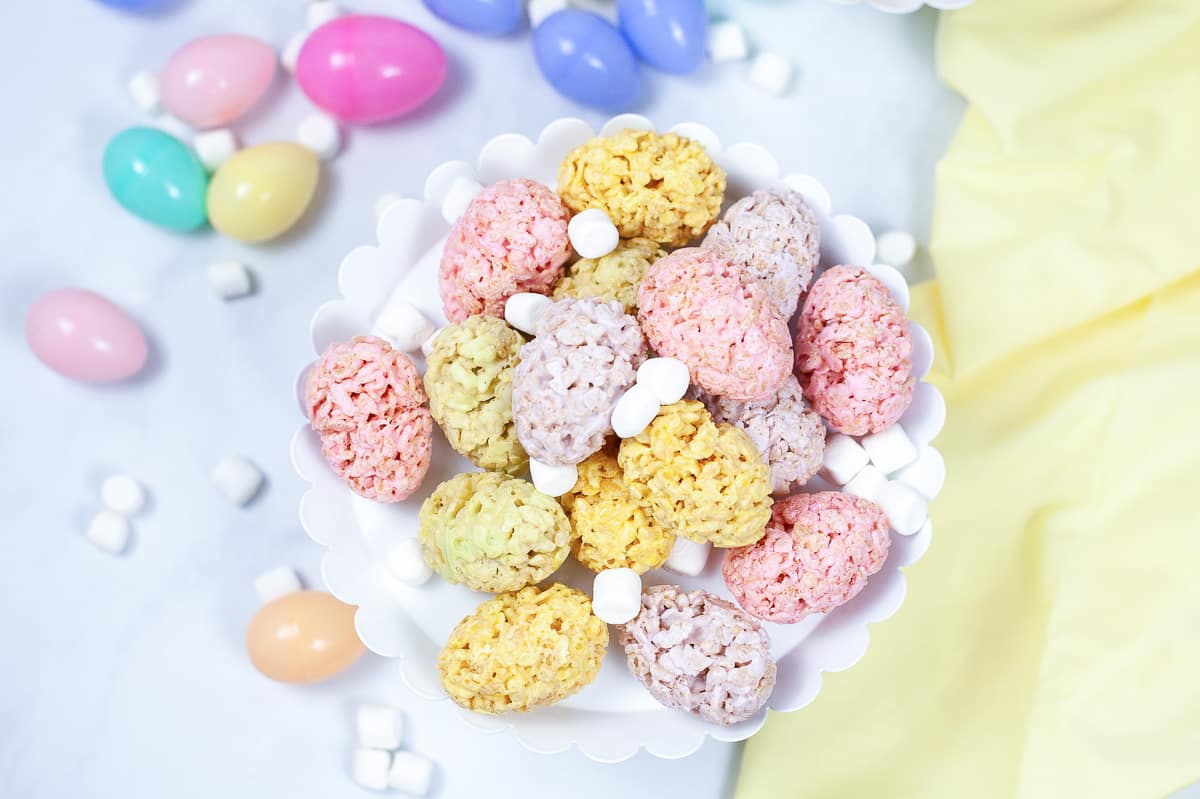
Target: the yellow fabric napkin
pixel 1049 645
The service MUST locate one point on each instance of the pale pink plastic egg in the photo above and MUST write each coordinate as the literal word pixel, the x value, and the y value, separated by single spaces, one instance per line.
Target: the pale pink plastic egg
pixel 83 336
pixel 213 80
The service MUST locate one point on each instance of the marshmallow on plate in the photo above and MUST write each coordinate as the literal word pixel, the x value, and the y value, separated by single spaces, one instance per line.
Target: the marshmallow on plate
pixel 927 474
pixel 727 42
pixel 379 726
pixel 636 408
pixel 122 494
pixel 552 480
pixel 427 344
pixel 687 557
pixel 592 233
pixel 109 531
pixel 906 510
pixel 403 324
pixel 237 478
pixel 868 484
pixel 667 379
pixel 522 310
pixel 843 459
pixel 214 147
pixel 370 768
pixel 280 581
pixel 411 774
pixel 230 279
pixel 143 88
pixel 617 595
pixel 407 564
pixel 890 449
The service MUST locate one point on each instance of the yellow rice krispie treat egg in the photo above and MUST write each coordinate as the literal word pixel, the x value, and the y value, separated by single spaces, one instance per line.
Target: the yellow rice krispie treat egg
pixel 663 187
pixel 611 529
pixel 523 650
pixel 469 382
pixel 615 276
pixel 702 480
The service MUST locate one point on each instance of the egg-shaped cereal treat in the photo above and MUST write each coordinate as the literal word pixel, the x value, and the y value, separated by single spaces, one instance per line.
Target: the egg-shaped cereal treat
pixel 492 532
pixel 522 650
pixel 818 553
pixel 698 653
pixel 365 401
pixel 611 529
pixel 512 238
pixel 583 358
pixel 698 479
pixel 615 276
pixel 694 306
pixel 773 238
pixel 853 352
pixel 662 187
pixel 469 376
pixel 789 435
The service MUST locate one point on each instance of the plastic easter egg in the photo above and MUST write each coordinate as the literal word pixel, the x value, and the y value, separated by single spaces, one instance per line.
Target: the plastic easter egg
pixel 213 80
pixel 262 191
pixel 303 637
pixel 365 69
pixel 155 176
pixel 138 5
pixel 489 17
pixel 669 35
pixel 584 57
pixel 83 336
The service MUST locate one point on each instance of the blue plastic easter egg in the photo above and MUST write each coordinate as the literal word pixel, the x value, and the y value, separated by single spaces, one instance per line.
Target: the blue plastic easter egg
pixel 155 176
pixel 586 58
pixel 137 5
pixel 669 35
pixel 489 17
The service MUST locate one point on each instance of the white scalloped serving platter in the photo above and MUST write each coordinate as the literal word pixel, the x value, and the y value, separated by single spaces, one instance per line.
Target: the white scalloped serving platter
pixel 908 6
pixel 614 717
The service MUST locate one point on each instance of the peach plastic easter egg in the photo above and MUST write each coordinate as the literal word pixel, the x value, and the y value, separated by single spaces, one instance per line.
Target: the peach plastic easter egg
pixel 83 336
pixel 213 80
pixel 304 637
pixel 262 191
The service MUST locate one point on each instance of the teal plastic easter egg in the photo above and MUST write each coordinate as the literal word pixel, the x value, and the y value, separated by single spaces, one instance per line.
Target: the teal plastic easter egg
pixel 155 176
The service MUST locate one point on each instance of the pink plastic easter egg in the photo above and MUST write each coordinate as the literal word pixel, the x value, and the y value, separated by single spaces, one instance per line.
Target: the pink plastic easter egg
pixel 213 80
pixel 369 69
pixel 83 336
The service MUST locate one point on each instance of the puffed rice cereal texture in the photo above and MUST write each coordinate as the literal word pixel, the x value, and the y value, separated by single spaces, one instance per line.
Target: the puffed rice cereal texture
pixel 615 276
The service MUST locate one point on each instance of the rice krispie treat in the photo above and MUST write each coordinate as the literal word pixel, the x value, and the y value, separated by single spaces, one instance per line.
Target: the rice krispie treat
pixel 492 532
pixel 789 435
pixel 615 276
pixel 611 529
pixel 469 377
pixel 511 238
pixel 585 355
pixel 694 306
pixel 698 653
pixel 817 554
pixel 702 480
pixel 366 402
pixel 853 351
pixel 772 237
pixel 523 650
pixel 663 187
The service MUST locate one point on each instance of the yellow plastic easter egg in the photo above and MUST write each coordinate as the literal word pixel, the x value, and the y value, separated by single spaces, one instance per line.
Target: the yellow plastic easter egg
pixel 304 637
pixel 262 191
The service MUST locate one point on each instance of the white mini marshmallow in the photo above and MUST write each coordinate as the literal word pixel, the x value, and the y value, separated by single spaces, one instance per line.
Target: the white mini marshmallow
pixel 427 344
pixel 370 768
pixel 122 494
pixel 770 72
pixel 523 310
pixel 617 595
pixel 214 147
pixel 592 233
pixel 636 408
pixel 540 9
pixel 667 379
pixel 411 774
pixel 890 450
pixel 687 557
pixel 896 248
pixel 320 134
pixel 280 581
pixel 843 459
pixel 868 484
pixel 237 478
pixel 458 197
pixel 551 480
pixel 927 474
pixel 143 88
pixel 379 726
pixel 384 202
pixel 322 11
pixel 230 279
pixel 407 564
pixel 906 509
pixel 727 42
pixel 403 324
pixel 291 51
pixel 109 531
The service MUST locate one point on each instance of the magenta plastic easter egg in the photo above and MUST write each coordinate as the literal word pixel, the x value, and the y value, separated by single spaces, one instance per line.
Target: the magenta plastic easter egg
pixel 213 80
pixel 83 336
pixel 365 69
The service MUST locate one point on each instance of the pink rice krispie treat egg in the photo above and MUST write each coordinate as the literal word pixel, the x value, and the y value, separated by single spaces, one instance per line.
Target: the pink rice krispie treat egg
pixel 366 402
pixel 853 352
pixel 512 238
pixel 817 554
pixel 694 306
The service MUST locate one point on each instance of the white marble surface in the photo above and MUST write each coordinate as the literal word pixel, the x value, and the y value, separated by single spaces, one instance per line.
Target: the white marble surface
pixel 127 676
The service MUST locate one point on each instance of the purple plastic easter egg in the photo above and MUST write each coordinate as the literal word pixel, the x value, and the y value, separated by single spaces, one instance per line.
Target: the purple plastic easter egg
pixel 365 69
pixel 83 336
pixel 213 80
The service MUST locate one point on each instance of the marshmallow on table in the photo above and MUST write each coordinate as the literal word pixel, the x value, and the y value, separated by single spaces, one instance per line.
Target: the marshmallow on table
pixel 927 474
pixel 906 509
pixel 667 379
pixel 143 88
pixel 384 202
pixel 868 484
pixel 322 11
pixel 458 197
pixel 291 50
pixel 687 557
pixel 770 72
pixel 540 9
pixel 280 581
pixel 237 478
pixel 427 344
pixel 896 248
pixel 370 768
pixel 122 494
pixel 379 726
pixel 636 408
pixel 592 233
pixel 617 595
pixel 319 133
pixel 230 279
pixel 109 531
pixel 410 774
pixel 523 310
pixel 890 449
pixel 407 564
pixel 403 324
pixel 727 42
pixel 214 147
pixel 551 480
pixel 843 459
